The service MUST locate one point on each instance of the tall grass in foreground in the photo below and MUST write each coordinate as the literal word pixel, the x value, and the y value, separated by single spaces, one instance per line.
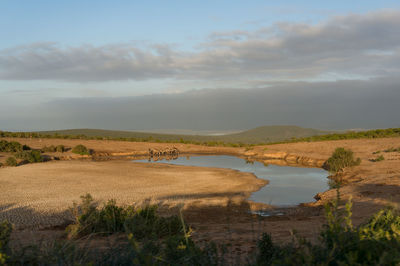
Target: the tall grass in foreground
pixel 141 222
pixel 376 242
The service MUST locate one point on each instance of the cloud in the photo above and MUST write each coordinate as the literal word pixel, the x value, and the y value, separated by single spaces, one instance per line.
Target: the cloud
pixel 324 105
pixel 365 45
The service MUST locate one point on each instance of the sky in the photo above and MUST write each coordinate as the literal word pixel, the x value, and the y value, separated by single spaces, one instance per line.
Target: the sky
pixel 199 65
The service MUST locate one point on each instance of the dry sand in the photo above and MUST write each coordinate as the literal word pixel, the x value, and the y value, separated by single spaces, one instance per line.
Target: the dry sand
pixel 38 194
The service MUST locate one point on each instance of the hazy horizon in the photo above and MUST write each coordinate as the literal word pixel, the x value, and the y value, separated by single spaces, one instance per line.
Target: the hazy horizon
pixel 199 67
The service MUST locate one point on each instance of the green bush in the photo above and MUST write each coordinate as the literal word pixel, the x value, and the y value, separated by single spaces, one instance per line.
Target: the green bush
pixel 12 146
pixel 11 161
pixel 23 155
pixel 52 148
pixel 33 156
pixel 81 149
pixel 340 159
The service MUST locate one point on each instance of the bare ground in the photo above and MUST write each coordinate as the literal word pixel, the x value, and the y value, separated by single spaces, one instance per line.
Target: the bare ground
pixel 37 195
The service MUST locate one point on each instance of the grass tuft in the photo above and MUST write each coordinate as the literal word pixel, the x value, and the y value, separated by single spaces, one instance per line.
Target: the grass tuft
pixel 378 159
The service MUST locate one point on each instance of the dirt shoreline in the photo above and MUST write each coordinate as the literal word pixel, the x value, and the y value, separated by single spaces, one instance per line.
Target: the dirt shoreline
pixel 38 195
pixel 372 185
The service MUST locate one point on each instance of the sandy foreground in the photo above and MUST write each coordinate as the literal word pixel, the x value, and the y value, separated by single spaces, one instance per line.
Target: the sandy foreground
pixel 39 194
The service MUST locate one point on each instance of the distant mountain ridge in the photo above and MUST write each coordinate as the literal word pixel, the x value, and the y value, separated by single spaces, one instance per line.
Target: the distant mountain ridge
pixel 276 133
pixel 261 134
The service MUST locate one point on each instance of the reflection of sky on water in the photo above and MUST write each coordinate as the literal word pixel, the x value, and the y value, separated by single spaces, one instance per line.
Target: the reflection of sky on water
pixel 288 185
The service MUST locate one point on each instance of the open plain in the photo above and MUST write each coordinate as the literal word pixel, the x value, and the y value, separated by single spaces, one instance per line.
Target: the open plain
pixel 36 197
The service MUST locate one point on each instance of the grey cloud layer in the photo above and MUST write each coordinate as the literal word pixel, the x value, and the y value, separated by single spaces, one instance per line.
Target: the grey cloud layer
pixel 325 105
pixel 364 45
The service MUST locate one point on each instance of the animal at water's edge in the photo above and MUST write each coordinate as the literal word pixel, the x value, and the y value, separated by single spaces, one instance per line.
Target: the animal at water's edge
pixel 157 153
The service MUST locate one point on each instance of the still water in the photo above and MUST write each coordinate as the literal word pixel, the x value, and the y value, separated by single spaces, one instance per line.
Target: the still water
pixel 287 185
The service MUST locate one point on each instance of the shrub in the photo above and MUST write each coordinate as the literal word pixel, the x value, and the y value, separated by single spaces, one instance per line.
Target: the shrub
pixel 110 218
pixel 60 148
pixel 81 149
pixel 181 250
pixel 51 148
pixel 340 159
pixel 266 250
pixel 11 161
pixel 5 232
pixel 33 156
pixel 26 147
pixel 22 155
pixel 392 150
pixel 144 222
pixel 85 217
pixel 374 243
pixel 12 146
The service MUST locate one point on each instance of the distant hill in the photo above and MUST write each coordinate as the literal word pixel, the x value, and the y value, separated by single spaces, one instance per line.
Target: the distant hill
pixel 273 134
pixel 257 135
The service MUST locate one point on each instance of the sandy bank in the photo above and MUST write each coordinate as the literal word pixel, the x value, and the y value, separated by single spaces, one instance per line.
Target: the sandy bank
pixel 38 194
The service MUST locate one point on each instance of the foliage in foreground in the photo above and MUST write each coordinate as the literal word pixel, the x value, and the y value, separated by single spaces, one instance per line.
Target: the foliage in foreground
pixel 376 242
pixel 151 240
pixel 110 218
pixel 340 159
pixel 5 232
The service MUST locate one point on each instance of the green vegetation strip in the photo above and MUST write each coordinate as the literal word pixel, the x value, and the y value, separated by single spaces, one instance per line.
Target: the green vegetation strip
pixel 226 141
